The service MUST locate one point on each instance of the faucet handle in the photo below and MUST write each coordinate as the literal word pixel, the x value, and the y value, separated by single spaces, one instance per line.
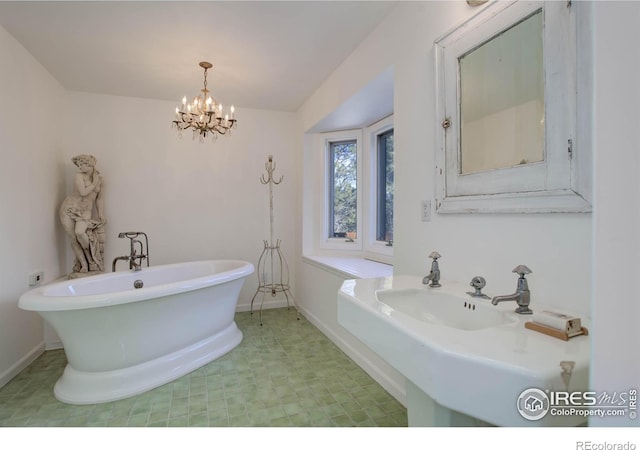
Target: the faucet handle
pixel 522 270
pixel 478 283
pixel 129 234
pixel 435 255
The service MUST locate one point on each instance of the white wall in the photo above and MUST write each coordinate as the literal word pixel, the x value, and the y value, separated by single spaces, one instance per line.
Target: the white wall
pixel 557 247
pixel 194 200
pixel 31 188
pixel 616 363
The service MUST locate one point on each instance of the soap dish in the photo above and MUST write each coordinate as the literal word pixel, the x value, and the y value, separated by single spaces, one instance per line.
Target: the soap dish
pixel 554 331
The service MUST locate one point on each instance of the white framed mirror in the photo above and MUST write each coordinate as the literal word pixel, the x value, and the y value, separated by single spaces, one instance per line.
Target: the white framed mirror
pixel 506 105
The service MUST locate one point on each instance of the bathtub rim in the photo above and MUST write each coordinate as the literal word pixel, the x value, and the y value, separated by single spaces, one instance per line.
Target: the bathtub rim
pixel 36 300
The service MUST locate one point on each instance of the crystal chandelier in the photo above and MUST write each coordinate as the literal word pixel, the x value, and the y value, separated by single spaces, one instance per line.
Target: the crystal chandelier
pixel 204 114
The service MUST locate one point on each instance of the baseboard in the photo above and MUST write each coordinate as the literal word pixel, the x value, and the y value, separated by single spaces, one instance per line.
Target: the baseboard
pixel 280 303
pixel 53 345
pixel 19 366
pixel 392 387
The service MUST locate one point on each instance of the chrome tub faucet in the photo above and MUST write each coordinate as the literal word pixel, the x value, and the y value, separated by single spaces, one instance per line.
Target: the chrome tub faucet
pixel 522 296
pixel 134 258
pixel 433 279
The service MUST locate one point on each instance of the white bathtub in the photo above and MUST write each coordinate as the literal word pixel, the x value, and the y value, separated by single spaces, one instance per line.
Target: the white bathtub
pixel 121 341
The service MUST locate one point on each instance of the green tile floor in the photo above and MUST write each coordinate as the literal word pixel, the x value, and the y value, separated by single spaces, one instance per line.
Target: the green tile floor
pixel 285 373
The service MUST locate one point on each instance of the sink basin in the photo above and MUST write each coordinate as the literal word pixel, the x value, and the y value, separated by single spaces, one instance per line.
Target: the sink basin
pixel 444 309
pixel 462 355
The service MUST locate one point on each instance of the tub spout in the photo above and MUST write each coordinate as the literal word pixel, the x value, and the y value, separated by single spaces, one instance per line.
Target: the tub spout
pixel 115 261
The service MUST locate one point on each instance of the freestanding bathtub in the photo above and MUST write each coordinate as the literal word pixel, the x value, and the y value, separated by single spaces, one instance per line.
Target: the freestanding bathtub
pixel 121 340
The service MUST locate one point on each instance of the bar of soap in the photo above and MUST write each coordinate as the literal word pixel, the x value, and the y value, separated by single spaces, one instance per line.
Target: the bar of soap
pixel 570 325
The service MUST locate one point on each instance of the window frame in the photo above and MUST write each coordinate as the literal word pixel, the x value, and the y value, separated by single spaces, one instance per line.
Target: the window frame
pixel 374 248
pixel 381 185
pixel 327 242
pixel 365 245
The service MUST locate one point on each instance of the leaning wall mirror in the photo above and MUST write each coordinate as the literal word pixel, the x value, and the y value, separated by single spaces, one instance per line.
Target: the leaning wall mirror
pixel 506 106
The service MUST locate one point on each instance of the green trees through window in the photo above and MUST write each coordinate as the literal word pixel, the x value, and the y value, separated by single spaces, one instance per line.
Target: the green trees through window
pixel 343 185
pixel 385 187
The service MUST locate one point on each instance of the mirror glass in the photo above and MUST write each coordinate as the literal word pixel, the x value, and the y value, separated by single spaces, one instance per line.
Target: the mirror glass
pixel 502 99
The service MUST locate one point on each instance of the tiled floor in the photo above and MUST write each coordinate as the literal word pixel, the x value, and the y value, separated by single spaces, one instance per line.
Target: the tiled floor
pixel 285 373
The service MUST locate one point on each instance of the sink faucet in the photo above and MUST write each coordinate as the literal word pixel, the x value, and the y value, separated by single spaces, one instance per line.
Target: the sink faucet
pixel 522 296
pixel 433 279
pixel 134 258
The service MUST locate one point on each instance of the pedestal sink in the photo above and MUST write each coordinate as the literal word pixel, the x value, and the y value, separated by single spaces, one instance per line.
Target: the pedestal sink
pixel 466 361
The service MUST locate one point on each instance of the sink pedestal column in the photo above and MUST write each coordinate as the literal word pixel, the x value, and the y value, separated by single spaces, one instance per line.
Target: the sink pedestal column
pixel 423 411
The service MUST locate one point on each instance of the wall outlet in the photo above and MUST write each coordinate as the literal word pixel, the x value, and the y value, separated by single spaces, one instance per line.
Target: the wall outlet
pixel 426 210
pixel 36 278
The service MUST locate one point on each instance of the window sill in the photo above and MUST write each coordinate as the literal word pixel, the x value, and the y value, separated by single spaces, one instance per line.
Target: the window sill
pixel 350 267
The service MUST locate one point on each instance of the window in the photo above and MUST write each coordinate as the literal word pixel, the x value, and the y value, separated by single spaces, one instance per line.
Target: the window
pixel 342 212
pixel 358 193
pixel 343 186
pixel 378 199
pixel 384 191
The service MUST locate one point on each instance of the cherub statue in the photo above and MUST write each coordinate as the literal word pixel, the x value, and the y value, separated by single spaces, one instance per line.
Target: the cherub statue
pixel 85 229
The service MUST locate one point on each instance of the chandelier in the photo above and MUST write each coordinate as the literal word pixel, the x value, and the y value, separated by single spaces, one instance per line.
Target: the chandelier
pixel 204 115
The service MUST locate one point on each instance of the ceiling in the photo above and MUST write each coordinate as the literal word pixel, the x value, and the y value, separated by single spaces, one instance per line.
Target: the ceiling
pixel 266 54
